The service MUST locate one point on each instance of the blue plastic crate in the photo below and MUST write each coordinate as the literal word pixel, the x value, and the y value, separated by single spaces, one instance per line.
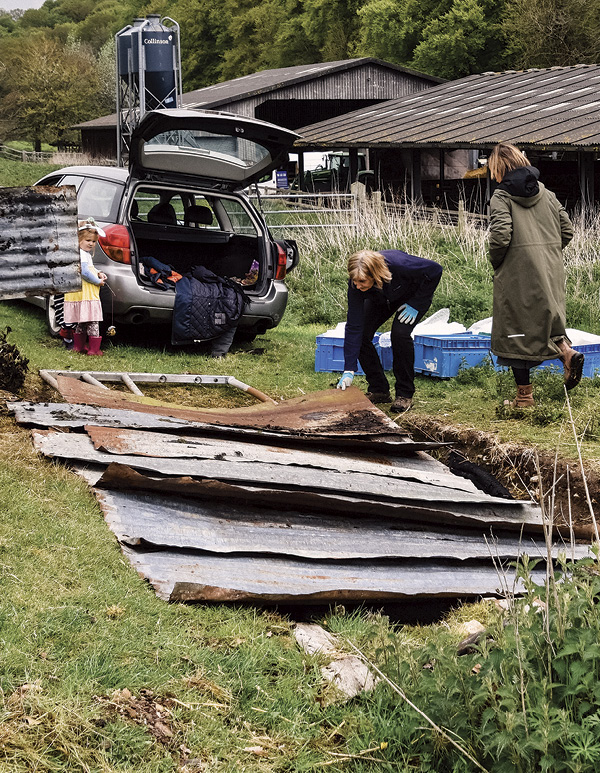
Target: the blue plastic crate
pixel 591 366
pixel 443 356
pixel 386 357
pixel 329 354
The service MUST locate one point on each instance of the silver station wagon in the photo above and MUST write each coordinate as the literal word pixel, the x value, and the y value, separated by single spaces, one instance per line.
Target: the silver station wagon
pixel 182 202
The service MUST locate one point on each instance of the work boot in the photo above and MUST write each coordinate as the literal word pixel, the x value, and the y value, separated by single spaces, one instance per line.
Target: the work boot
pixel 401 405
pixel 94 346
pixel 379 397
pixel 79 340
pixel 524 398
pixel 572 361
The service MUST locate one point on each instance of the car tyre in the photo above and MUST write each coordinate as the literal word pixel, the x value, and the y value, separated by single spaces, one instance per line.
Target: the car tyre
pixel 53 326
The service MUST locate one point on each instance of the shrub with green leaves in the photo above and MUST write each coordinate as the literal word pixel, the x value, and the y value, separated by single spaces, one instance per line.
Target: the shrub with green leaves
pixel 526 699
pixel 13 366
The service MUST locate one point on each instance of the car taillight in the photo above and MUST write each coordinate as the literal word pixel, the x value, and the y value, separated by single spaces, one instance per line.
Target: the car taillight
pixel 116 243
pixel 281 262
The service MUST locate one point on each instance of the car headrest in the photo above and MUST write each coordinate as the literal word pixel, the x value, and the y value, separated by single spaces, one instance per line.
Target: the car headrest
pixel 198 215
pixel 162 213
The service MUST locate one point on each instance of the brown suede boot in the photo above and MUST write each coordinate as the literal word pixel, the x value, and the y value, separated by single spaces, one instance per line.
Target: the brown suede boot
pixel 524 398
pixel 572 361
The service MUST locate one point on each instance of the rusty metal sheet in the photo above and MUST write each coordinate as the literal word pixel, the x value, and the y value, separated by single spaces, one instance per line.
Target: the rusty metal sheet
pixel 223 527
pixel 516 516
pixel 80 447
pixel 73 415
pixel 156 444
pixel 39 250
pixel 343 413
pixel 188 576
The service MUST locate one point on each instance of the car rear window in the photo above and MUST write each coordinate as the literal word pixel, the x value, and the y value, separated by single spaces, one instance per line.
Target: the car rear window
pixel 99 199
pixel 240 219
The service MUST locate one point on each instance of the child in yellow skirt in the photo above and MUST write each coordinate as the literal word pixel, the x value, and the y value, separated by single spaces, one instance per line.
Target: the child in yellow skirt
pixel 83 307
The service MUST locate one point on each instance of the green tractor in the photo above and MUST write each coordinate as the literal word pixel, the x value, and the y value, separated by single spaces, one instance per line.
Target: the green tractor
pixel 333 175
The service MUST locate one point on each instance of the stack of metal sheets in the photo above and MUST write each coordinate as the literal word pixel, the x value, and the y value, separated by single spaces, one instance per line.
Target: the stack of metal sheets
pixel 320 498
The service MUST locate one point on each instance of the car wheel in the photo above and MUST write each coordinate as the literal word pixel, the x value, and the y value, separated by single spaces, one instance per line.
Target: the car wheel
pixel 53 326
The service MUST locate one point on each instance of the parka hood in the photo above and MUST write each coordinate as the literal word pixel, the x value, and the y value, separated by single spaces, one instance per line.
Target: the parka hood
pixel 522 185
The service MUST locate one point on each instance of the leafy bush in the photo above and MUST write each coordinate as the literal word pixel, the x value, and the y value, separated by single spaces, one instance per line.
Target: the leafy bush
pixel 13 366
pixel 526 699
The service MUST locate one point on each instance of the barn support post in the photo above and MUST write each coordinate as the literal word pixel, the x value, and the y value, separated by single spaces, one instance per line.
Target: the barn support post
pixel 301 170
pixel 353 153
pixel 415 180
pixel 586 180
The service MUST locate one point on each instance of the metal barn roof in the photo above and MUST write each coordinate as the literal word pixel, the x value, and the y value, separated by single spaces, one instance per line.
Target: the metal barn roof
pixel 555 108
pixel 270 81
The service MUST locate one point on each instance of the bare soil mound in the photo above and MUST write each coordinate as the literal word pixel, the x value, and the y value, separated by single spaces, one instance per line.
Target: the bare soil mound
pixel 525 471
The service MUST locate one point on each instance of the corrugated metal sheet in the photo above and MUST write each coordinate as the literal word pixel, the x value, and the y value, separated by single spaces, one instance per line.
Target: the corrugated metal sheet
pixel 156 444
pixel 516 516
pixel 225 520
pixel 346 414
pixel 218 527
pixel 555 108
pixel 74 416
pixel 188 576
pixel 39 250
pixel 384 488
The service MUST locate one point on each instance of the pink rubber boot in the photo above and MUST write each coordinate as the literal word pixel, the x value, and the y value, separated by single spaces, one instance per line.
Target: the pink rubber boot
pixel 94 345
pixel 79 342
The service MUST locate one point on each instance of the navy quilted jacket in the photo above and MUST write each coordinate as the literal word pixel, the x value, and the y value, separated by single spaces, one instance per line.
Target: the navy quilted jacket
pixel 206 305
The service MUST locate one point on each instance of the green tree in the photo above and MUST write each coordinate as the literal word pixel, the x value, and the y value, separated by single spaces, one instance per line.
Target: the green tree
pixel 465 40
pixel 547 33
pixel 204 36
pixel 52 87
pixel 392 29
pixel 292 45
pixel 333 26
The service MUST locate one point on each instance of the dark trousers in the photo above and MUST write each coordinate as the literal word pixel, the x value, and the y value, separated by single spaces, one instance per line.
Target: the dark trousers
pixel 403 350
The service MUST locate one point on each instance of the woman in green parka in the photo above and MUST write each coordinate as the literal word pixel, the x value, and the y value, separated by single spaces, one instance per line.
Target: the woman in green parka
pixel 529 229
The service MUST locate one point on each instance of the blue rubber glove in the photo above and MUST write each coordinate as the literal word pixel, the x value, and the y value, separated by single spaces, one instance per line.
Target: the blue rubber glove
pixel 346 379
pixel 407 314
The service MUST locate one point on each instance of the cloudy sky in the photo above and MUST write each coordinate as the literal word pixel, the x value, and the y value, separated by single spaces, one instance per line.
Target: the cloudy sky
pixel 10 5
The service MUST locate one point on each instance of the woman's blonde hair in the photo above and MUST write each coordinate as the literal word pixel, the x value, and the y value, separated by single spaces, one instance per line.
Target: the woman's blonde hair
pixel 504 158
pixel 368 264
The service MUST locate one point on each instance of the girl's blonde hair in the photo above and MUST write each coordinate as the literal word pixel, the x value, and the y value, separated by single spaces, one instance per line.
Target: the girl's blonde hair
pixel 84 232
pixel 504 158
pixel 368 264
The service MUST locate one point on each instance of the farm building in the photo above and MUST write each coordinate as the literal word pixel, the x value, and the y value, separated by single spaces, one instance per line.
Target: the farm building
pixel 290 96
pixel 431 145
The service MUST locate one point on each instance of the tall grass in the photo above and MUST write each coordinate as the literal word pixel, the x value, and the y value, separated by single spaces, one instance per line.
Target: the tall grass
pixel 319 283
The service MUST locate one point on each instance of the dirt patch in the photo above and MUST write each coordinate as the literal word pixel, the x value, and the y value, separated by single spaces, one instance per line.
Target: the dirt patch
pixel 145 709
pixel 525 471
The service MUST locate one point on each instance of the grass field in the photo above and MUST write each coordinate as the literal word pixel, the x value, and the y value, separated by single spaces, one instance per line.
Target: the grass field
pixel 98 675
